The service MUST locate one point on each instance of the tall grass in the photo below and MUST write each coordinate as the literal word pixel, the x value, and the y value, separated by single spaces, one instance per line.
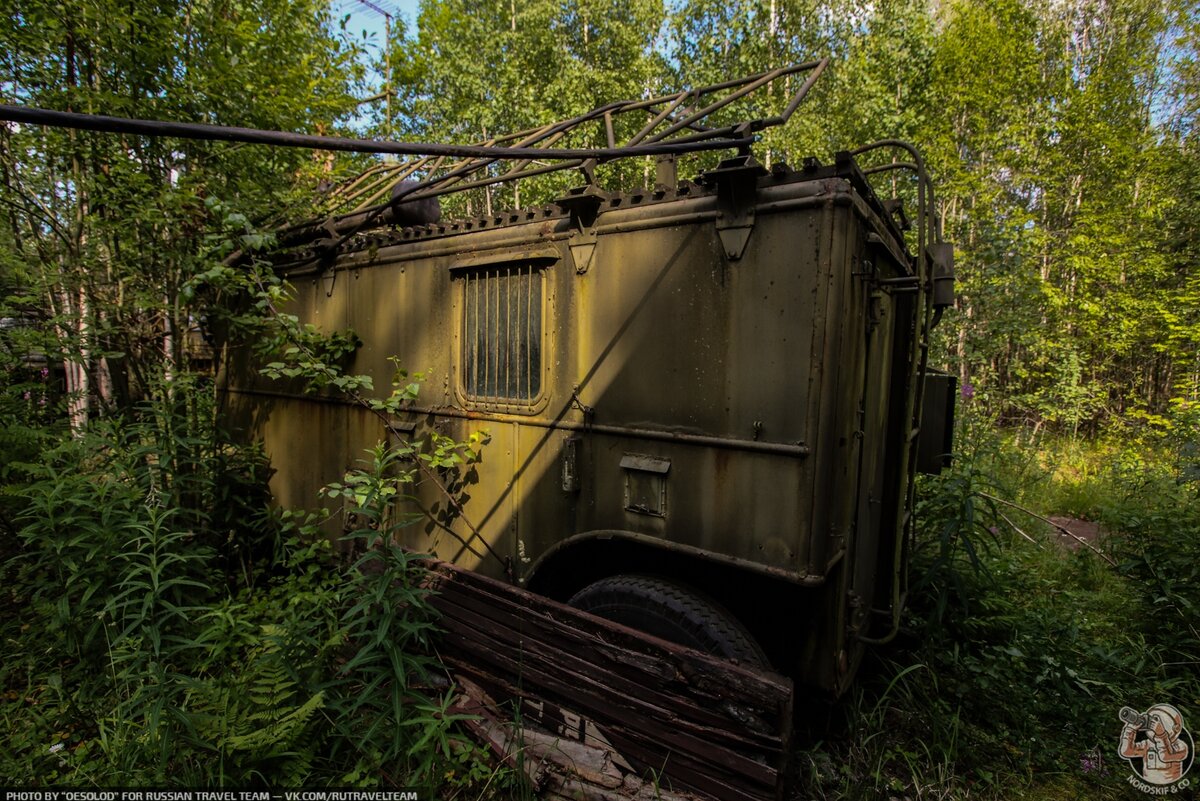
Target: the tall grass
pixel 1017 652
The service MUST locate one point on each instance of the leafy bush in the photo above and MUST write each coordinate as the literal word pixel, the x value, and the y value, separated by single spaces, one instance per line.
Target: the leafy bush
pixel 172 632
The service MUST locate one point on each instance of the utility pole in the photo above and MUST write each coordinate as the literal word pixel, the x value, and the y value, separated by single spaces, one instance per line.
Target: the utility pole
pixel 387 60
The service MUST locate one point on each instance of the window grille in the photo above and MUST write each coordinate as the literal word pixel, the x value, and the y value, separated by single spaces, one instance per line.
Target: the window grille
pixel 502 334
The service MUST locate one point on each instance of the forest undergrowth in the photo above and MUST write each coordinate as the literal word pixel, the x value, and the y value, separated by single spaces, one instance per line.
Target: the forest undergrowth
pixel 161 626
pixel 150 642
pixel 164 625
pixel 1020 646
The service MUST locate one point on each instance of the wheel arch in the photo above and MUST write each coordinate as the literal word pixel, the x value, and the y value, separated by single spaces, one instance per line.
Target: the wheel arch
pixel 774 605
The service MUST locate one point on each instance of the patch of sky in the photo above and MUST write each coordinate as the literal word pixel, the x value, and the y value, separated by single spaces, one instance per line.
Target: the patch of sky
pixel 375 24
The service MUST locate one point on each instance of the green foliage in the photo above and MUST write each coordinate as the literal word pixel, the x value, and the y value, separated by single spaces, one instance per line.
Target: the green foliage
pixel 477 71
pixel 101 233
pixel 162 627
pixel 30 405
pixel 150 647
pixel 1017 651
pixel 175 632
pixel 960 522
pixel 1060 136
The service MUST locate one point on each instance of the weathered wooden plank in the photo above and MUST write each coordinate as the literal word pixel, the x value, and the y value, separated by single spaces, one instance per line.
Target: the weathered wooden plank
pixel 578 655
pixel 574 649
pixel 660 733
pixel 678 771
pixel 679 669
pixel 748 682
pixel 713 726
pixel 683 670
pixel 558 769
pixel 522 634
pixel 541 621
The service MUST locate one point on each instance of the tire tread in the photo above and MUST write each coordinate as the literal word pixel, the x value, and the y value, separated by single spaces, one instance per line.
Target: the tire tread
pixel 676 612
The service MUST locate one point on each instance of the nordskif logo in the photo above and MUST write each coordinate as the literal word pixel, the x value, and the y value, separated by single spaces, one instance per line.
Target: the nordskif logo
pixel 1158 748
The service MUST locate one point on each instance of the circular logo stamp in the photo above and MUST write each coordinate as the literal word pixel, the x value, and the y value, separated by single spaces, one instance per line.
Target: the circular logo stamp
pixel 1158 747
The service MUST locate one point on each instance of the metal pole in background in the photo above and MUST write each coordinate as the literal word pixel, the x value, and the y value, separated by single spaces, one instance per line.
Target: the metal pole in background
pixel 387 60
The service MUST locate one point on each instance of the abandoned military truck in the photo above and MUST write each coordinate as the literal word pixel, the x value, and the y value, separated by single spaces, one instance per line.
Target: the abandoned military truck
pixel 706 399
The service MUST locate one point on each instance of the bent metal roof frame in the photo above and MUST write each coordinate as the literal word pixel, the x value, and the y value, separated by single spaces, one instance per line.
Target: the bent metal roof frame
pixel 675 127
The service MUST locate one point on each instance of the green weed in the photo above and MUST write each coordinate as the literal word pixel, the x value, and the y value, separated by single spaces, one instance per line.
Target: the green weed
pixel 1016 652
pixel 160 640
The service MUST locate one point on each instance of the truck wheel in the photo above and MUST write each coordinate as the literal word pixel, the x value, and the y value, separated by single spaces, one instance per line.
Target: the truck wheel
pixel 673 612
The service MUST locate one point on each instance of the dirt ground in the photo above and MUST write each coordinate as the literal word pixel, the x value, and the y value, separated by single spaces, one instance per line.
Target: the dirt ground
pixel 1085 530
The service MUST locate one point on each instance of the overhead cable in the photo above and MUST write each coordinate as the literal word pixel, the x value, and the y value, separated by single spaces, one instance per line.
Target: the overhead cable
pixel 223 133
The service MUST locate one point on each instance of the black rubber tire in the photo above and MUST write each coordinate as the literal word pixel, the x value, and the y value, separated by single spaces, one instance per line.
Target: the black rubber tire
pixel 674 612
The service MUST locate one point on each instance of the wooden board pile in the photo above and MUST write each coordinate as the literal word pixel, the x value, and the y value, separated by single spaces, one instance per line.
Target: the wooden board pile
pixel 591 709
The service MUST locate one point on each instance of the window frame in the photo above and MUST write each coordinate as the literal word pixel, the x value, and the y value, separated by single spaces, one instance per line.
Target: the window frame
pixel 540 264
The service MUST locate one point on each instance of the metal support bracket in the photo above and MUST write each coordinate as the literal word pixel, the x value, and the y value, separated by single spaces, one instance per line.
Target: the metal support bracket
pixel 736 180
pixel 583 204
pixel 666 173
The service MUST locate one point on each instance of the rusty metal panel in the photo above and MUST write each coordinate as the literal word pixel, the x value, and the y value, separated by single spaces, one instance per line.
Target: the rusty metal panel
pixel 304 432
pixel 664 346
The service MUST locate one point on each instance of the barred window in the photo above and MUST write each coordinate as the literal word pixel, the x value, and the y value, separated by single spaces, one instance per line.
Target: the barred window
pixel 502 334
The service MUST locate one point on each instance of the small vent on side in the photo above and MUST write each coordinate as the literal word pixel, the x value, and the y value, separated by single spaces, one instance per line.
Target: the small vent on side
pixel 645 484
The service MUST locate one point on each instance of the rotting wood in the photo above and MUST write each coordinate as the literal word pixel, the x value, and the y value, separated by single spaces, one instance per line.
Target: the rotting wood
pixel 593 697
pixel 557 768
pixel 588 651
pixel 534 663
pixel 704 765
pixel 608 640
pixel 610 710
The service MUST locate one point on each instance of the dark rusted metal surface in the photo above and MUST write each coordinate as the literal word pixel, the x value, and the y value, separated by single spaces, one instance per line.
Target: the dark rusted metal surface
pixel 772 370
